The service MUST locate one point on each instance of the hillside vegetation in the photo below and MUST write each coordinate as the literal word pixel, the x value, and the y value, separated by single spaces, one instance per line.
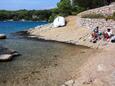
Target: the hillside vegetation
pixel 64 8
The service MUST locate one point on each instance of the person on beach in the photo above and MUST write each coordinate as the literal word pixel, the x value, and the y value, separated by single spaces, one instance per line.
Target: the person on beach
pixel 108 34
pixel 95 35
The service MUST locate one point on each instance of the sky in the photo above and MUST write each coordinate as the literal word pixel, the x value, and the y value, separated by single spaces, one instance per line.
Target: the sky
pixel 27 4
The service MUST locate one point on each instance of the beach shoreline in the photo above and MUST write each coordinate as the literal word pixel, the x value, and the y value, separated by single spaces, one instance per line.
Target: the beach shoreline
pixel 71 61
pixel 99 69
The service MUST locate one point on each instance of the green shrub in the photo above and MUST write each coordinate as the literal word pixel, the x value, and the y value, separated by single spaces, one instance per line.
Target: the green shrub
pixel 114 15
pixel 77 9
pixel 111 17
pixel 93 16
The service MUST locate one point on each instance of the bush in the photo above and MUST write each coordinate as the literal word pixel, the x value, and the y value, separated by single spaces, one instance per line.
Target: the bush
pixel 111 17
pixel 114 15
pixel 77 9
pixel 93 16
pixel 97 16
pixel 64 7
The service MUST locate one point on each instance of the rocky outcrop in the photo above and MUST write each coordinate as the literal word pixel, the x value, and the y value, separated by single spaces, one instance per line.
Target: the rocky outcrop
pixel 2 36
pixel 105 10
pixel 102 23
pixel 7 54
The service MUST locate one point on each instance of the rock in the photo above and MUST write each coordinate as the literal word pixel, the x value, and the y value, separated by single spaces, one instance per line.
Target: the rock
pixel 32 36
pixel 69 83
pixel 98 82
pixel 59 21
pixel 21 34
pixel 7 54
pixel 63 85
pixel 6 57
pixel 101 67
pixel 15 54
pixel 2 36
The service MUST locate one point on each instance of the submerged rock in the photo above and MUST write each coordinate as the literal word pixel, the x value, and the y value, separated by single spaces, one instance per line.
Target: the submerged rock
pixel 2 36
pixel 7 54
pixel 21 33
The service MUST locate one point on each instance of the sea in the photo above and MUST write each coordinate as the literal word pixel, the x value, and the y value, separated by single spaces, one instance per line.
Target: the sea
pixel 7 27
pixel 41 63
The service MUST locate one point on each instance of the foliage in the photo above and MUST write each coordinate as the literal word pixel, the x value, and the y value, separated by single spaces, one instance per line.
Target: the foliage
pixel 99 16
pixel 93 16
pixel 64 7
pixel 36 15
pixel 111 17
pixel 114 15
pixel 88 4
pixel 77 9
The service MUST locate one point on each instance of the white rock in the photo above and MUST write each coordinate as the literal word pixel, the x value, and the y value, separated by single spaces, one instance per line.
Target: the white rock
pixel 2 36
pixel 32 36
pixel 62 85
pixel 69 83
pixel 101 67
pixel 5 57
pixel 59 21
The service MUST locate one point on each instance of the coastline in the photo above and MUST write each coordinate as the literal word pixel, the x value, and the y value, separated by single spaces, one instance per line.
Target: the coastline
pixel 86 64
pixel 72 33
pixel 99 69
pixel 62 34
pixel 78 30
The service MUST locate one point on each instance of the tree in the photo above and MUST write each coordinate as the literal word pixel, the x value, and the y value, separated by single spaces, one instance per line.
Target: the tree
pixel 64 6
pixel 92 3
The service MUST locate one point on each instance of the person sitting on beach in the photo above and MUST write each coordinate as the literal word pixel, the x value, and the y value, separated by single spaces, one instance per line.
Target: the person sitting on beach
pixel 95 35
pixel 108 34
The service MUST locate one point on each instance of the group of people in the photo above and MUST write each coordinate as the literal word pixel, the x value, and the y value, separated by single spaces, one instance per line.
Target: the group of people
pixel 98 35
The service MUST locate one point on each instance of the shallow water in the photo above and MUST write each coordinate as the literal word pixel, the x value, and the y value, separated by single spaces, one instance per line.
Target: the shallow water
pixel 41 63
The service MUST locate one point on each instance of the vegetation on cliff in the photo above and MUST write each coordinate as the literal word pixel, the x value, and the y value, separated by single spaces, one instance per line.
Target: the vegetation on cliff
pixel 35 15
pixel 64 8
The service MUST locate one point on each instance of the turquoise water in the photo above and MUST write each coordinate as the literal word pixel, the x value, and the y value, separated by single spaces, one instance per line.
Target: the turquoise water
pixel 42 63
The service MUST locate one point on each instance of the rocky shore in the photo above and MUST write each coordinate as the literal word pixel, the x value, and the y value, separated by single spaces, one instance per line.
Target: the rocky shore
pixel 68 34
pixel 99 69
pixel 78 30
pixel 105 10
